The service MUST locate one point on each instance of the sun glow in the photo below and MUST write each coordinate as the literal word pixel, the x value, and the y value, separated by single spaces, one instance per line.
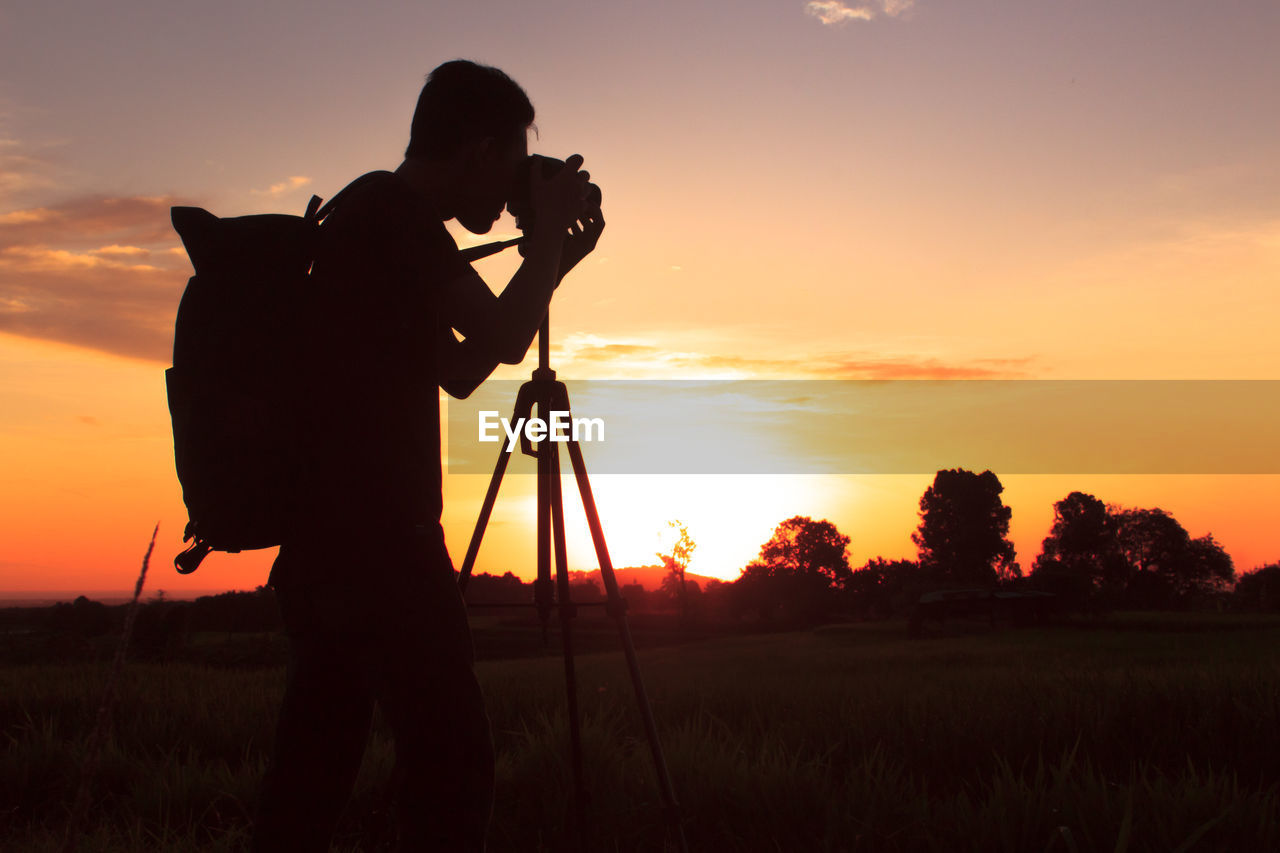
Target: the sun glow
pixel 729 517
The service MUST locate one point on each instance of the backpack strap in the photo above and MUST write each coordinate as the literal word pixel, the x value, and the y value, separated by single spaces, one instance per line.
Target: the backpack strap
pixel 317 212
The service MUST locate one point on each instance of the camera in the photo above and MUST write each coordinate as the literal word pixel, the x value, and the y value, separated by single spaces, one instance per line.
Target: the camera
pixel 520 205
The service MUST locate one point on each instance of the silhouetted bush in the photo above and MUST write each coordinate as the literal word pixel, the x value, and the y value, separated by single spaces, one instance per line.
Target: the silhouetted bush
pixel 235 611
pixel 1259 591
pixel 81 618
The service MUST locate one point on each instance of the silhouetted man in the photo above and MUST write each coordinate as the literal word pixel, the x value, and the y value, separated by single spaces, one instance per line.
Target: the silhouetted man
pixel 366 588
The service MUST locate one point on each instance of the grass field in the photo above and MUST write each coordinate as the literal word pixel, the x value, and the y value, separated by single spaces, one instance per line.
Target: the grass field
pixel 1146 733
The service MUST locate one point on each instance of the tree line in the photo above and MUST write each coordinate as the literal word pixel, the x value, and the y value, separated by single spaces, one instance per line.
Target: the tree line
pixel 1097 556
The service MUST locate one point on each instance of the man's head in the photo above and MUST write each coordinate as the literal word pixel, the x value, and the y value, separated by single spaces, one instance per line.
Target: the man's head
pixel 471 120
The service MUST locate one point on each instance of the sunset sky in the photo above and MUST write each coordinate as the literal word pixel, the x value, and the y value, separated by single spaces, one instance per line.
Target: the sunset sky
pixel 889 189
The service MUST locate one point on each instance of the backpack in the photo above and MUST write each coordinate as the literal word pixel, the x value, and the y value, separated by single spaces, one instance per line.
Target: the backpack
pixel 233 386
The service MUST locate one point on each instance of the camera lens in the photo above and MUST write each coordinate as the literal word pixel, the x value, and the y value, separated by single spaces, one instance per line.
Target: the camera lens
pixel 520 205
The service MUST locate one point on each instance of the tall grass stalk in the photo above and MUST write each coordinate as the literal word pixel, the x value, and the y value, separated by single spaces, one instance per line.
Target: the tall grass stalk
pixel 102 720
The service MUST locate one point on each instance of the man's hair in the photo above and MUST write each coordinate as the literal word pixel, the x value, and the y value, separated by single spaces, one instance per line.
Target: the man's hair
pixel 464 102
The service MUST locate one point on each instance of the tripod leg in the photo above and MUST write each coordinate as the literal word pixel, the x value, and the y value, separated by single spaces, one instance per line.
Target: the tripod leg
pixel 543 591
pixel 522 409
pixel 490 497
pixel 567 611
pixel 633 664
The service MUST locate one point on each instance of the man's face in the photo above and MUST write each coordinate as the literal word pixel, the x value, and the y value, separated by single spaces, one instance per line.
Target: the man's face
pixel 488 181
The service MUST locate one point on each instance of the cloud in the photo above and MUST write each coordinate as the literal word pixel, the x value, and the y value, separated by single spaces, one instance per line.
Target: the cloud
pixel 27 259
pixel 287 185
pixel 894 8
pixel 114 251
pixel 114 308
pixel 99 272
pixel 591 356
pixel 20 170
pixel 834 13
pixel 25 217
pixel 924 367
pixel 92 220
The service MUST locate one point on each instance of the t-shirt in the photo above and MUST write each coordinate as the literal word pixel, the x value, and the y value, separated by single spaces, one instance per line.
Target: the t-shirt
pixel 371 404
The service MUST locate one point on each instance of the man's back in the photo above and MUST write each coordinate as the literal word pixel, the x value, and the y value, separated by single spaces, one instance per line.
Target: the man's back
pixel 370 374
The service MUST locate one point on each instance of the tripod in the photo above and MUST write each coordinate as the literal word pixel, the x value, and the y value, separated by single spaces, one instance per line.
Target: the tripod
pixel 548 395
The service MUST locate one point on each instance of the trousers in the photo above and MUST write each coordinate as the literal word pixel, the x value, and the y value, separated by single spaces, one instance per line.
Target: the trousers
pixel 376 622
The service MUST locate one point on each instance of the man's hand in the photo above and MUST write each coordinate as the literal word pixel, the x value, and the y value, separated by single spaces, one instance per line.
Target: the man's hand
pixel 558 202
pixel 582 239
pixel 562 211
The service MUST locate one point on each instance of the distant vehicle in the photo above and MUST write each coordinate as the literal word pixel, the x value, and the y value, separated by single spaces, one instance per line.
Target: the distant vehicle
pixel 989 605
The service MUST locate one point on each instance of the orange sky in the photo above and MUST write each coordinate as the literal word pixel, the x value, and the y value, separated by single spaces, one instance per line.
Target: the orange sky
pixel 913 190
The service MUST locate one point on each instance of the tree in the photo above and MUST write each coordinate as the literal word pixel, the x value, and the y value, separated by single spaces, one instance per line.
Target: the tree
pixel 507 589
pixel 1082 532
pixel 1079 559
pixel 1150 539
pixel 1206 569
pixel 756 591
pixel 1138 557
pixel 1154 546
pixel 585 590
pixel 814 549
pixel 964 528
pixel 716 599
pixel 673 584
pixel 635 596
pixel 82 618
pixel 1164 564
pixel 1259 590
pixel 801 572
pixel 884 587
pixel 685 593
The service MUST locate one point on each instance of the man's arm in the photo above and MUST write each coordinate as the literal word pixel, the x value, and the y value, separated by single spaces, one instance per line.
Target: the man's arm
pixel 499 329
pixel 469 302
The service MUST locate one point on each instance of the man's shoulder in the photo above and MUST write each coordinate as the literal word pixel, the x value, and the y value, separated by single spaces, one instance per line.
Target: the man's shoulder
pixel 379 193
pixel 380 208
pixel 381 222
